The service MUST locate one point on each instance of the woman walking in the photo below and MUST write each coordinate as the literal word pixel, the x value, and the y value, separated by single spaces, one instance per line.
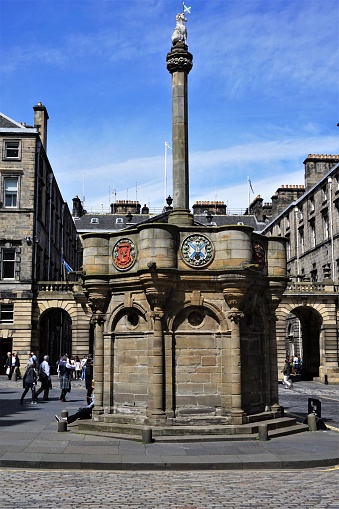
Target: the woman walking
pixel 29 382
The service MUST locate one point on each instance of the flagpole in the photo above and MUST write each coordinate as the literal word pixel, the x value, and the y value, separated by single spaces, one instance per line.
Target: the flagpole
pixel 165 183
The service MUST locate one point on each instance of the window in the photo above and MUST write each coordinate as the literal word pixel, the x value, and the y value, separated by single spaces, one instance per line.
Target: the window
pixel 6 313
pixel 119 220
pixel 314 273
pixel 324 193
pixel 7 263
pixel 326 227
pixel 12 150
pixel 94 220
pixel 312 204
pixel 11 192
pixel 313 239
pixel 301 240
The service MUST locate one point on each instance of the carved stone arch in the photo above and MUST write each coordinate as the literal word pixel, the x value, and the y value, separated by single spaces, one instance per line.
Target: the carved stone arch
pixel 55 333
pixel 214 310
pixel 68 307
pixel 285 309
pixel 309 333
pixel 133 315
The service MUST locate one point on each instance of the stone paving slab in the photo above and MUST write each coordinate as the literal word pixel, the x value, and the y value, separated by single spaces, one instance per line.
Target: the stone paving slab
pixel 29 438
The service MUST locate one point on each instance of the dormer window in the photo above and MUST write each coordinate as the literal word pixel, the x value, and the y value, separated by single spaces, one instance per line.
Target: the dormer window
pixel 94 220
pixel 119 220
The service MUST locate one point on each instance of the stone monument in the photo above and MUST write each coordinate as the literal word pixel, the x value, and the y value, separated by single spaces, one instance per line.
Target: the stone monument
pixel 184 314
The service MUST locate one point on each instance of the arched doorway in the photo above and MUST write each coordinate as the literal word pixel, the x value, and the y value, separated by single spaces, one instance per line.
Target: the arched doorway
pixel 307 336
pixel 55 335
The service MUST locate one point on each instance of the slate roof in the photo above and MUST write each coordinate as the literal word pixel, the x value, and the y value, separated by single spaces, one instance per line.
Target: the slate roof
pixel 6 122
pixel 107 223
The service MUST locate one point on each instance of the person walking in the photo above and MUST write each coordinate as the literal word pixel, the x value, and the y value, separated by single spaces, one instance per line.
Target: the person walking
pixel 65 371
pixel 16 367
pixel 29 382
pixel 8 365
pixel 44 378
pixel 287 372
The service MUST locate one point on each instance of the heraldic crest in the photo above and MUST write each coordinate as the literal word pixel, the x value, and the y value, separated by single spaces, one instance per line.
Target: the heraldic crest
pixel 124 254
pixel 197 251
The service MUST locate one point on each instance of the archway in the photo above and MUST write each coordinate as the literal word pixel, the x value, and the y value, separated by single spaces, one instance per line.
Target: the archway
pixel 310 329
pixel 55 337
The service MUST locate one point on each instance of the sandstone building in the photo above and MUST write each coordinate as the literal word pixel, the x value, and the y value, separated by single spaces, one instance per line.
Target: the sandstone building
pixel 310 223
pixel 42 308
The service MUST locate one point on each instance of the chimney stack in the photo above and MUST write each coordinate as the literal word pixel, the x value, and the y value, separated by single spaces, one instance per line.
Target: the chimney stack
pixel 40 122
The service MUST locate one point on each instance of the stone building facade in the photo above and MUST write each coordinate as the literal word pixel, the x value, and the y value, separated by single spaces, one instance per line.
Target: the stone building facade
pixel 310 223
pixel 41 308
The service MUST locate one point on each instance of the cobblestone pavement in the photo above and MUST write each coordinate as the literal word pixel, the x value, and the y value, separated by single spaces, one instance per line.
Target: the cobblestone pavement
pixel 27 489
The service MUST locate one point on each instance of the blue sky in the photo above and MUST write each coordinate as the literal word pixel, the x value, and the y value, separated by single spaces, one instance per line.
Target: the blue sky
pixel 263 92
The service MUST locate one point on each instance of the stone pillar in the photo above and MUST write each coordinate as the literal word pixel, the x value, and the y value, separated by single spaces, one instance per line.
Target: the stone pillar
pixel 237 413
pixel 98 361
pixel 179 64
pixel 234 292
pixel 156 403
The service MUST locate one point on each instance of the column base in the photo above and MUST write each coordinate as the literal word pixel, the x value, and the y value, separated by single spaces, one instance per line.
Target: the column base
pixel 156 418
pixel 237 417
pixel 180 217
pixel 277 410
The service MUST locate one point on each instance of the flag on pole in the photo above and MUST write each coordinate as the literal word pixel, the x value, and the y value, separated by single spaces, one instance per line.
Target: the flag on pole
pixel 250 184
pixel 185 9
pixel 66 265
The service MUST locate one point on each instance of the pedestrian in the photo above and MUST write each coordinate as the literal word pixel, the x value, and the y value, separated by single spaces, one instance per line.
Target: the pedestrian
pixel 16 367
pixel 295 364
pixel 82 413
pixel 33 358
pixel 287 372
pixel 65 371
pixel 13 363
pixel 45 378
pixel 77 368
pixel 89 378
pixel 8 365
pixel 29 382
pixel 83 367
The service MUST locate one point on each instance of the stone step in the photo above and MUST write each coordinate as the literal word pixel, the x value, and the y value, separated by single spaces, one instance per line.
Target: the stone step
pixel 180 433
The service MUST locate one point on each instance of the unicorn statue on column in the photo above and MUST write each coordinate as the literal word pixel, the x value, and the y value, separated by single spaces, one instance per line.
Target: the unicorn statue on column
pixel 180 32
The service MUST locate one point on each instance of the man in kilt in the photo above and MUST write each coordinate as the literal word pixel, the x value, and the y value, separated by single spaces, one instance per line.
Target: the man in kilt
pixel 65 370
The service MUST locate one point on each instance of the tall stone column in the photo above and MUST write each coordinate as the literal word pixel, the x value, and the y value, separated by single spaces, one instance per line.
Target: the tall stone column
pixel 156 403
pixel 234 294
pixel 237 413
pixel 179 64
pixel 99 361
pixel 156 287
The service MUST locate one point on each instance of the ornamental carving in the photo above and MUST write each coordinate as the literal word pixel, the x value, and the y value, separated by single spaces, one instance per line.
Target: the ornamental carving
pixel 124 254
pixel 258 254
pixel 177 63
pixel 197 251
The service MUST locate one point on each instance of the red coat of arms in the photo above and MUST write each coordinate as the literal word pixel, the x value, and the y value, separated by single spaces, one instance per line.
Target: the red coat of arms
pixel 124 254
